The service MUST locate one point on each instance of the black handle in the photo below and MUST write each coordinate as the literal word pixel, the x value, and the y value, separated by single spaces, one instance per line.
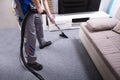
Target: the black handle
pixel 44 12
pixel 35 11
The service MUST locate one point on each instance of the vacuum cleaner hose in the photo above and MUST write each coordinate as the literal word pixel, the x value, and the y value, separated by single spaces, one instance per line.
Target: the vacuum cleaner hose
pixel 21 47
pixel 32 11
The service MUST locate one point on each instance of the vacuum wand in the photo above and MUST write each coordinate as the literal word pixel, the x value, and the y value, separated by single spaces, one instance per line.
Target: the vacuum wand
pixel 49 18
pixel 62 33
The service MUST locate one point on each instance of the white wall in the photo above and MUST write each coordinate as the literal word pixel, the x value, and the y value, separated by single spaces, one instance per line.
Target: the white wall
pixel 104 5
pixel 7 18
pixel 115 6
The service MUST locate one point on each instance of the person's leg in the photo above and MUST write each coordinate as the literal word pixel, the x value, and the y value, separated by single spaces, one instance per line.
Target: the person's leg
pixel 39 32
pixel 30 43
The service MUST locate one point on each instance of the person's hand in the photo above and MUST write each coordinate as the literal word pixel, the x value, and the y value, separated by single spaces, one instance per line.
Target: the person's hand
pixel 52 20
pixel 40 10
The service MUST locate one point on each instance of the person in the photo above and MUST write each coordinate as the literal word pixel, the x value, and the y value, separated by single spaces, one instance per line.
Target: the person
pixel 34 29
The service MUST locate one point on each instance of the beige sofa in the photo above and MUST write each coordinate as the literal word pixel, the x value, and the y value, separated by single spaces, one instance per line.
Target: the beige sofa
pixel 103 45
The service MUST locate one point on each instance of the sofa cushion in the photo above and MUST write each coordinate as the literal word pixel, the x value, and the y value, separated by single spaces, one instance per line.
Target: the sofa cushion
pixel 117 28
pixel 98 24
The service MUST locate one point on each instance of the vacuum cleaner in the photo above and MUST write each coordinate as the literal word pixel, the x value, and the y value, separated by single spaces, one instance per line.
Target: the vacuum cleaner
pixel 32 11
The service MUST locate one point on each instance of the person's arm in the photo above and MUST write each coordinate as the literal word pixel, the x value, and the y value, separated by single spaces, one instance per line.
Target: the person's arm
pixel 39 9
pixel 38 6
pixel 45 3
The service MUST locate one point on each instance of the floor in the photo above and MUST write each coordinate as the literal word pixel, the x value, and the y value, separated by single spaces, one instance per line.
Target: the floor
pixel 65 59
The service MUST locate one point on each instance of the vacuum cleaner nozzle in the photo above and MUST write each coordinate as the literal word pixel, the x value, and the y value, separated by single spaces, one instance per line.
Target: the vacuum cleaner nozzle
pixel 63 35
